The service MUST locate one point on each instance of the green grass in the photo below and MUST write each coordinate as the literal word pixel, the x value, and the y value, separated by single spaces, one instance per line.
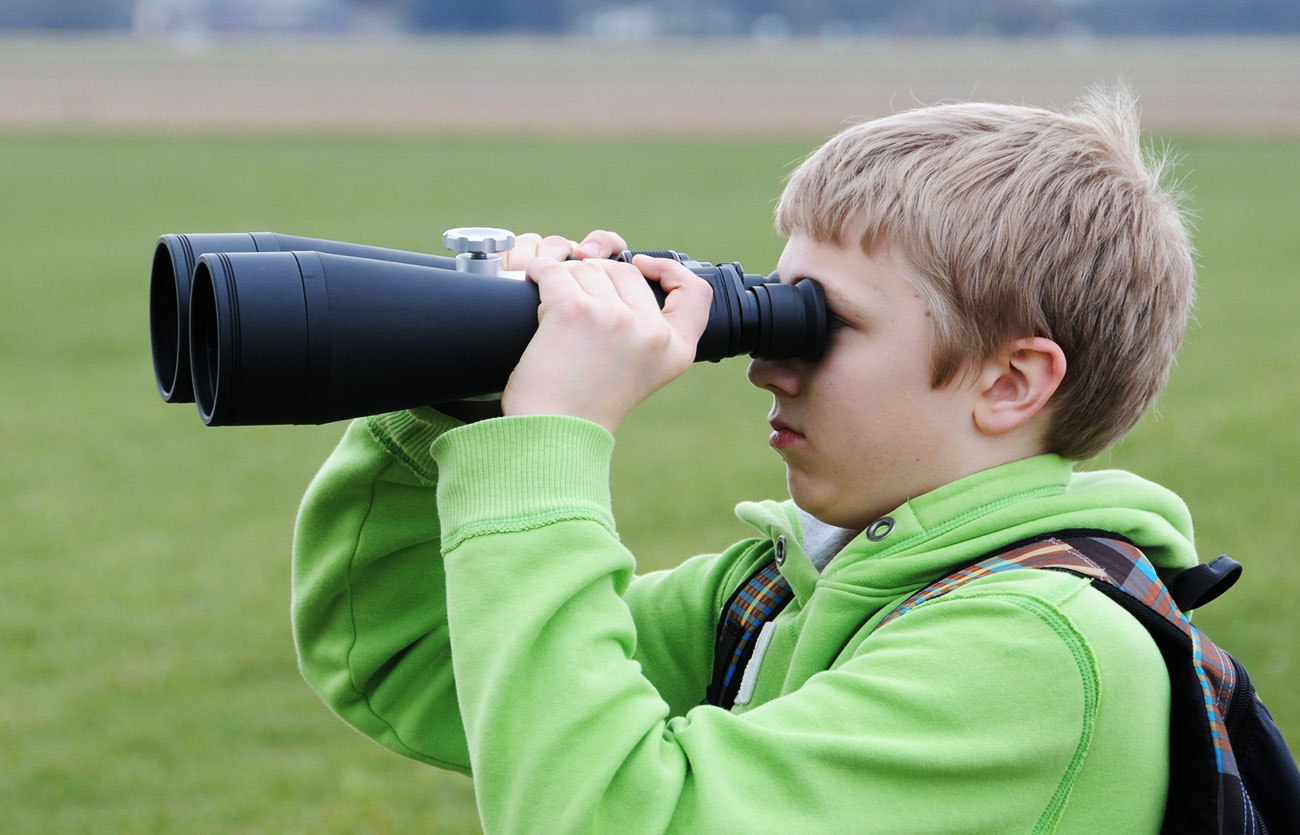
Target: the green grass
pixel 149 678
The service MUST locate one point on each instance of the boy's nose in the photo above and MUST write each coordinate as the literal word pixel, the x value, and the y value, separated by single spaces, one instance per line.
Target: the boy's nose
pixel 778 376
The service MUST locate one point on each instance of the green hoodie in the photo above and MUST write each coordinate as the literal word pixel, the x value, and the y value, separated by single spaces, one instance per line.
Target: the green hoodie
pixel 498 629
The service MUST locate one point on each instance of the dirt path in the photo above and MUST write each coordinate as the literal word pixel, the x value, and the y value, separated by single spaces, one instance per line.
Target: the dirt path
pixel 602 88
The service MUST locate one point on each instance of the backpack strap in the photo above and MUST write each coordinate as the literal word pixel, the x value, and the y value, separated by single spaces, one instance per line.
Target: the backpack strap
pixel 1200 584
pixel 756 602
pixel 1213 706
pixel 760 598
pixel 1048 552
pixel 1203 678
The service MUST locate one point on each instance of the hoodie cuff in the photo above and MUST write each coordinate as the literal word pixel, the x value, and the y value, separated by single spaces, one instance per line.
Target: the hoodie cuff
pixel 518 473
pixel 408 435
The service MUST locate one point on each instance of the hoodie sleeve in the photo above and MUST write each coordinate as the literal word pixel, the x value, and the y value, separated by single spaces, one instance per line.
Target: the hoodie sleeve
pixel 369 604
pixel 974 715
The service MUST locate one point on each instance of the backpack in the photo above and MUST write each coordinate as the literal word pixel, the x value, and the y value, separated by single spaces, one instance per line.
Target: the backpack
pixel 1230 771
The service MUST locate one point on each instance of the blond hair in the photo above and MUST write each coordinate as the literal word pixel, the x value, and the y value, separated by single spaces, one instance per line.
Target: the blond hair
pixel 1018 222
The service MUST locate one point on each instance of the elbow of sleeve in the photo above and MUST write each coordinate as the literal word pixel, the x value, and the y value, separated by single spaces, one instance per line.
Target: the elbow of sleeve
pixel 322 651
pixel 389 679
pixel 417 719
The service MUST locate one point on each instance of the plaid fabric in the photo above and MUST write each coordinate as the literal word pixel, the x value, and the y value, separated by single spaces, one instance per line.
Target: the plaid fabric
pixel 756 602
pixel 1124 567
pixel 1046 554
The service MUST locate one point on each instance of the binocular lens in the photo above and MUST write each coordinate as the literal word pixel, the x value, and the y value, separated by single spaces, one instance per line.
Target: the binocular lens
pixel 165 327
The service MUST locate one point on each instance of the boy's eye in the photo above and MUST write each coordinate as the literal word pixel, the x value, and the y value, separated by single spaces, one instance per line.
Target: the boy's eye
pixel 835 323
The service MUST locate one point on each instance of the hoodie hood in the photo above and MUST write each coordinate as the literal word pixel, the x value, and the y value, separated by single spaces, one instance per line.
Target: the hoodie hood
pixel 933 534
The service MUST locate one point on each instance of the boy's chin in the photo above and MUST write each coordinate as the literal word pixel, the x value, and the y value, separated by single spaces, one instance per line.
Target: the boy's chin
pixel 831 504
pixel 821 504
pixel 832 519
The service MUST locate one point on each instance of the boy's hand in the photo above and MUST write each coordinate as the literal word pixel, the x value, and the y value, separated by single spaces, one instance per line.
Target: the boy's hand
pixel 530 245
pixel 602 344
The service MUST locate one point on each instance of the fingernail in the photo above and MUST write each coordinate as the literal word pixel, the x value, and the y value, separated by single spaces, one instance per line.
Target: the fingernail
pixel 590 249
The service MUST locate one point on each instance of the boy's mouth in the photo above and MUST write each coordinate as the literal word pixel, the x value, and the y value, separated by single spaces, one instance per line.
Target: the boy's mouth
pixel 783 436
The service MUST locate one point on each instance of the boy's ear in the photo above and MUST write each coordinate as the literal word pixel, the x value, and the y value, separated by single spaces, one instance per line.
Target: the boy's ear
pixel 1016 384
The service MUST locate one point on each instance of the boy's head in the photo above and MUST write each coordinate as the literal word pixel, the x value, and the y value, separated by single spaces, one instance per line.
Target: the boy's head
pixel 1019 222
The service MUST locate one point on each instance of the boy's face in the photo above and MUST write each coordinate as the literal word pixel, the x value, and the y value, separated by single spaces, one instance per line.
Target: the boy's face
pixel 861 430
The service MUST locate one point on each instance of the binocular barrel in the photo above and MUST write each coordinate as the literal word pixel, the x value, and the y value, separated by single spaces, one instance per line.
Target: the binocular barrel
pixel 261 328
pixel 174 260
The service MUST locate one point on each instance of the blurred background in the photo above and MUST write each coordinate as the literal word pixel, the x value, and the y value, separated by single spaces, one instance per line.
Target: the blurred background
pixel 712 18
pixel 147 676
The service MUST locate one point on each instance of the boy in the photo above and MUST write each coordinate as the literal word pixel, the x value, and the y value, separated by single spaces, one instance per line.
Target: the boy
pixel 1007 289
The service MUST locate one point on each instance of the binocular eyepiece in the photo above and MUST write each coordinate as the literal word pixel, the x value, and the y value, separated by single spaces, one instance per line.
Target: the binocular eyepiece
pixel 261 328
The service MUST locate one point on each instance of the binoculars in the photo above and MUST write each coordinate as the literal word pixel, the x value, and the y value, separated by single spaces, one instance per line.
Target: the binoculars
pixel 262 328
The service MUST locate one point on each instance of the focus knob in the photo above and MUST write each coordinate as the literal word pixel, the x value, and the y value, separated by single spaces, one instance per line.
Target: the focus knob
pixel 476 247
pixel 480 239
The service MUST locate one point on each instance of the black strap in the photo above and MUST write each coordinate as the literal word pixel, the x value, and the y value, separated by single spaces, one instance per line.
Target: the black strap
pixel 1196 586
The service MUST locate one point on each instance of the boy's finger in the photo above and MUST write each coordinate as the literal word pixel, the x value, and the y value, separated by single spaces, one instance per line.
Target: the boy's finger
pixel 633 288
pixel 523 252
pixel 689 296
pixel 557 247
pixel 601 244
pixel 531 245
pixel 593 279
pixel 554 282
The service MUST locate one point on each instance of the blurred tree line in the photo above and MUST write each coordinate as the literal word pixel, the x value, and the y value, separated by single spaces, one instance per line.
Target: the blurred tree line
pixel 693 17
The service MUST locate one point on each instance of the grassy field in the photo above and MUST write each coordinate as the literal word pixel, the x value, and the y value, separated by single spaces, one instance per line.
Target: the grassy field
pixel 148 677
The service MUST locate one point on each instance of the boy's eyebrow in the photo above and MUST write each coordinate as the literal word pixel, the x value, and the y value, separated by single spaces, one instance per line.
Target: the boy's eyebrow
pixel 841 303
